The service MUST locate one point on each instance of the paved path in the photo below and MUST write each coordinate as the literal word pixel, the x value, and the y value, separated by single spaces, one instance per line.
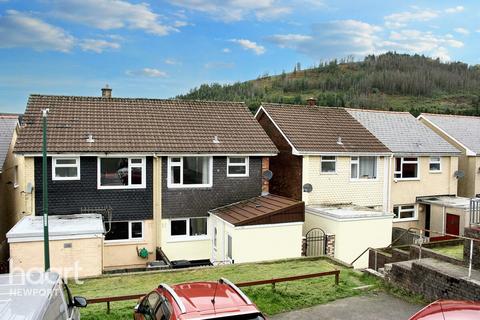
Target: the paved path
pixel 373 306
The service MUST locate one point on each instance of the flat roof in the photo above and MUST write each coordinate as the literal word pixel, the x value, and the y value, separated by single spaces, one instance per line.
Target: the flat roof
pixel 347 212
pixel 447 201
pixel 254 210
pixel 60 226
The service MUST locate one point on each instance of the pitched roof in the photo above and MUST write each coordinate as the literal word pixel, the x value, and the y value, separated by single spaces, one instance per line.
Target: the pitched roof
pixel 8 123
pixel 402 133
pixel 141 125
pixel 255 209
pixel 464 129
pixel 318 129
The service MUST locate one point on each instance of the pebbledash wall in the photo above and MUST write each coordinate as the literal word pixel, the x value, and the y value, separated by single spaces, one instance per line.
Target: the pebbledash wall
pixel 196 202
pixel 69 196
pixel 338 187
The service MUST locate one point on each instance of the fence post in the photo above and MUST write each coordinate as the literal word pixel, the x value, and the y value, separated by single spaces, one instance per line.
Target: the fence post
pixel 376 266
pixel 108 307
pixel 337 276
pixel 470 260
pixel 421 243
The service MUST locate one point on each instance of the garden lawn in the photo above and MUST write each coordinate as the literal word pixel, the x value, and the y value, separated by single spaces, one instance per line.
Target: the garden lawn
pixel 285 297
pixel 451 251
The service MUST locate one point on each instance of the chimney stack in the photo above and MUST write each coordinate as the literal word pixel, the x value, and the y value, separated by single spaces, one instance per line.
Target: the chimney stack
pixel 312 101
pixel 106 92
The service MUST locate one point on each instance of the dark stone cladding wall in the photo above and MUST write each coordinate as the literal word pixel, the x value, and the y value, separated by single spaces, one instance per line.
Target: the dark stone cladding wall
pixel 68 197
pixel 196 202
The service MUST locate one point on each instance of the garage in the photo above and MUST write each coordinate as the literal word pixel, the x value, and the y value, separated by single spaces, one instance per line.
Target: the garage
pixel 76 245
pixel 268 227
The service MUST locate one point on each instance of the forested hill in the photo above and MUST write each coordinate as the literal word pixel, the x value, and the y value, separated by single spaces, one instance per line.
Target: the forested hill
pixel 389 81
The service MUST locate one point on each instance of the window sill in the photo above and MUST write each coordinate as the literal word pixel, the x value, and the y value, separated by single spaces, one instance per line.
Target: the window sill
pixel 405 179
pixel 187 239
pixel 183 187
pixel 109 243
pixel 66 179
pixel 328 173
pixel 364 180
pixel 404 220
pixel 121 188
pixel 235 176
pixel 434 172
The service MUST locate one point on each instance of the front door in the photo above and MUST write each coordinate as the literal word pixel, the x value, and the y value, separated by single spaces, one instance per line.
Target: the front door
pixel 453 224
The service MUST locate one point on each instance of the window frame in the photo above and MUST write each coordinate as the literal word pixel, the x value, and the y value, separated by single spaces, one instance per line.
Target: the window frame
pixel 439 162
pixel 357 162
pixel 130 239
pixel 403 161
pixel 187 236
pixel 400 210
pixel 229 255
pixel 143 165
pixel 15 177
pixel 328 161
pixel 55 165
pixel 246 165
pixel 180 185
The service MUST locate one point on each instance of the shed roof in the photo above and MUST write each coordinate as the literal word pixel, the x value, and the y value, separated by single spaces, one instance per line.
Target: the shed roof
pixel 72 226
pixel 8 122
pixel 142 125
pixel 464 129
pixel 255 209
pixel 402 133
pixel 314 129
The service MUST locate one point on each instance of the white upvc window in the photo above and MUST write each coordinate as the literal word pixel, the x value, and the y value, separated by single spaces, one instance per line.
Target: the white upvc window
pixel 229 248
pixel 121 173
pixel 15 177
pixel 189 228
pixel 124 231
pixel 237 166
pixel 405 212
pixel 328 164
pixel 190 172
pixel 435 164
pixel 64 168
pixel 215 236
pixel 363 168
pixel 406 168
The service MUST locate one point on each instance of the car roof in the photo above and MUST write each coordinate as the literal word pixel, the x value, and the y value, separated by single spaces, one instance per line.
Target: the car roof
pixel 449 310
pixel 196 298
pixel 26 296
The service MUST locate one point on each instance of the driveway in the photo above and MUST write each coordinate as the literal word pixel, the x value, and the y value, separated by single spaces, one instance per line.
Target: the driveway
pixel 373 306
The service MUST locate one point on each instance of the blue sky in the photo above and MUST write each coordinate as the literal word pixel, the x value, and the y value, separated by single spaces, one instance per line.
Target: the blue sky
pixel 159 49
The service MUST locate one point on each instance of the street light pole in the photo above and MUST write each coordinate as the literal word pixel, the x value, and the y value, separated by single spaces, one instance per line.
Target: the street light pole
pixel 46 248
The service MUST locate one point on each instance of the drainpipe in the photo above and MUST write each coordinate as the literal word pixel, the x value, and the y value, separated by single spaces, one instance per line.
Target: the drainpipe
pixel 443 220
pixel 390 176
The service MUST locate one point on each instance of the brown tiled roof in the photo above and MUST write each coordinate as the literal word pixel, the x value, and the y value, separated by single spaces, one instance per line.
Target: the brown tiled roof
pixel 318 129
pixel 141 125
pixel 249 211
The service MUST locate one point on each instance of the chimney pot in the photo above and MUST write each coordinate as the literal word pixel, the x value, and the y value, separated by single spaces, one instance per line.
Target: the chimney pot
pixel 312 101
pixel 106 92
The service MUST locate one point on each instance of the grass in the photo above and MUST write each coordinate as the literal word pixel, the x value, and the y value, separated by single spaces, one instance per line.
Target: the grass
pixel 285 297
pixel 451 251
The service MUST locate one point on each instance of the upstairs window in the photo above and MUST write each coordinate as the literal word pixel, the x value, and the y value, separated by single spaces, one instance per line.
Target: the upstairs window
pixel 328 164
pixel 119 173
pixel 188 227
pixel 406 168
pixel 189 172
pixel 405 212
pixel 237 166
pixel 363 167
pixel 66 168
pixel 124 230
pixel 435 164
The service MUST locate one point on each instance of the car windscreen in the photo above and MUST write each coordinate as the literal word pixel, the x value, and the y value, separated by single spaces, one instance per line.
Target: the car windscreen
pixel 250 316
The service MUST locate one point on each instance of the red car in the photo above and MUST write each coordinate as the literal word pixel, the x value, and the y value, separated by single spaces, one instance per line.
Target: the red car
pixel 449 310
pixel 220 300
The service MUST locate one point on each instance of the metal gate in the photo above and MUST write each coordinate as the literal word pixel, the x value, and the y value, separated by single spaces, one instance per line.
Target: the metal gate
pixel 315 243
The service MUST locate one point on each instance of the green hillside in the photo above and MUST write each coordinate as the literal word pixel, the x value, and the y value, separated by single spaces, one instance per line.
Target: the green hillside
pixel 389 81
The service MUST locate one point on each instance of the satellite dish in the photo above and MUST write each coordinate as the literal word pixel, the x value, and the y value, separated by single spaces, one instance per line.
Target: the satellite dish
pixel 29 188
pixel 459 174
pixel 307 187
pixel 267 175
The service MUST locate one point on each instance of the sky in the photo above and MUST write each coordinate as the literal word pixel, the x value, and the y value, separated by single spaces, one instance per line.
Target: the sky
pixel 159 49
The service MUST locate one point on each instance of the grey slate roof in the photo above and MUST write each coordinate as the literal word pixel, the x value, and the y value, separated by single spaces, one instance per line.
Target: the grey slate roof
pixel 402 133
pixel 464 129
pixel 7 125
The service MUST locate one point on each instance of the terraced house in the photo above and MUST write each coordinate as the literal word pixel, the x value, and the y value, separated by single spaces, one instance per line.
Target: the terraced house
pixel 338 168
pixel 150 171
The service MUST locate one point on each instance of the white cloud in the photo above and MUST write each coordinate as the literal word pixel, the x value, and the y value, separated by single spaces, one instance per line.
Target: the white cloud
pixel 250 45
pixel 462 31
pixel 98 45
pixel 352 37
pixel 171 61
pixel 180 23
pixel 18 29
pixel 147 72
pixel 219 65
pixel 401 19
pixel 226 50
pixel 112 14
pixel 455 9
pixel 236 10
